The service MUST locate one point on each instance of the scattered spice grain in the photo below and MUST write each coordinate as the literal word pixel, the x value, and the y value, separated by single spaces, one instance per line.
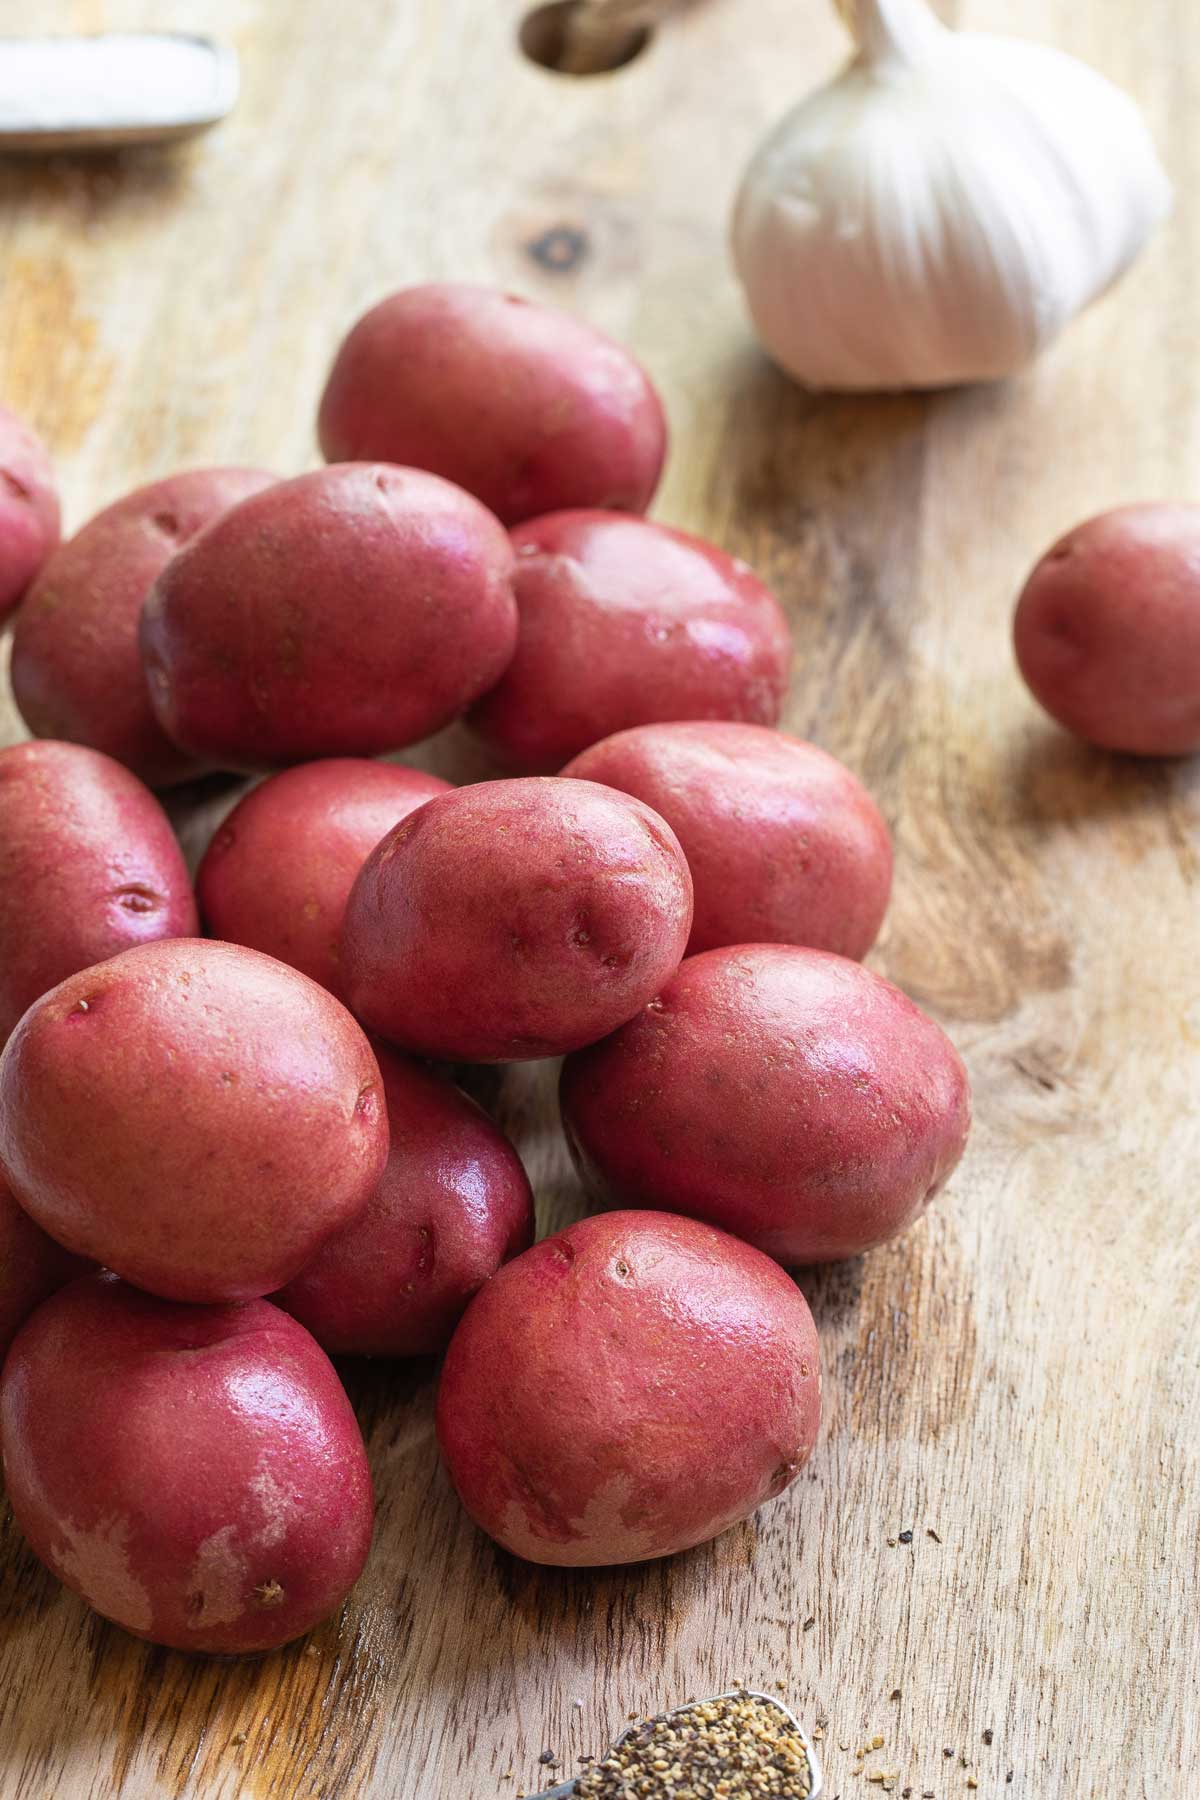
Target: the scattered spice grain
pixel 988 1736
pixel 895 1694
pixel 739 1747
pixel 877 1741
pixel 891 1543
pixel 906 1537
pixel 972 1782
pixel 808 1624
pixel 239 1737
pixel 931 1533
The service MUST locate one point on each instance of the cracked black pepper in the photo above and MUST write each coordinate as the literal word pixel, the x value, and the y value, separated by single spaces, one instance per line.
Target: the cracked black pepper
pixel 738 1746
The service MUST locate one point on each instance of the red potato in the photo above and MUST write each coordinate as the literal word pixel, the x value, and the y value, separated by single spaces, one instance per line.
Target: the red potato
pixel 523 405
pixel 789 1096
pixel 350 611
pixel 88 866
pixel 453 1205
pixel 29 511
pixel 627 1389
pixel 785 845
pixel 279 871
pixel 76 666
pixel 194 1473
pixel 196 1116
pixel 32 1267
pixel 626 623
pixel 1107 630
pixel 515 919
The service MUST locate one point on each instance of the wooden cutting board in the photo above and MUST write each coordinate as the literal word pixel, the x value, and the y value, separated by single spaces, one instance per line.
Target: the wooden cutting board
pixel 1016 1384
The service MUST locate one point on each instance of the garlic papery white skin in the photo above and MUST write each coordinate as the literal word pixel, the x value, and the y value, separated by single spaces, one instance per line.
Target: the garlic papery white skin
pixel 943 208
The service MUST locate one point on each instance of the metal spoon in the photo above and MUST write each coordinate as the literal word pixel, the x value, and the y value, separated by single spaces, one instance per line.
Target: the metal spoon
pixel 566 1788
pixel 118 88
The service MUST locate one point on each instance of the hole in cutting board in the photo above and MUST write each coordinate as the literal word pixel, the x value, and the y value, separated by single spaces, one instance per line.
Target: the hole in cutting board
pixel 552 37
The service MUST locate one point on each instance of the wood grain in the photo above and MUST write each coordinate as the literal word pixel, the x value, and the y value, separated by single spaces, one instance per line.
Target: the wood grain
pixel 1021 1374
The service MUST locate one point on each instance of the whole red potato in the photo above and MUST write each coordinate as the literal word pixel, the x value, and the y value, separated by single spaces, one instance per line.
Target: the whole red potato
pixel 89 866
pixel 278 872
pixel 32 1267
pixel 453 1205
pixel 193 1115
pixel 789 1096
pixel 350 611
pixel 194 1473
pixel 627 623
pixel 627 1389
pixel 29 511
pixel 515 919
pixel 1107 630
pixel 785 845
pixel 523 405
pixel 76 665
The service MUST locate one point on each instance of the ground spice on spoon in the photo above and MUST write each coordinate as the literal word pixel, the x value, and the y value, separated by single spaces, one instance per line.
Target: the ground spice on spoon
pixel 739 1747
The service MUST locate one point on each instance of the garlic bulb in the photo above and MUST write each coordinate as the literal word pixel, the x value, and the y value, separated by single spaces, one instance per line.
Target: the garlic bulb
pixel 943 208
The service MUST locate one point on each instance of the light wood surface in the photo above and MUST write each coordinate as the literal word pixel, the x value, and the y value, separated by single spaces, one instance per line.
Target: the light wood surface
pixel 1021 1375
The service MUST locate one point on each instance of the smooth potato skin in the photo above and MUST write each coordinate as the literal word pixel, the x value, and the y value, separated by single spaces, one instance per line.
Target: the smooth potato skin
pixel 32 1267
pixel 89 866
pixel 279 870
pixel 622 623
pixel 29 511
pixel 76 665
pixel 627 1389
pixel 350 611
pixel 1107 630
pixel 789 1096
pixel 514 920
pixel 453 1205
pixel 195 1474
pixel 523 405
pixel 785 845
pixel 193 1115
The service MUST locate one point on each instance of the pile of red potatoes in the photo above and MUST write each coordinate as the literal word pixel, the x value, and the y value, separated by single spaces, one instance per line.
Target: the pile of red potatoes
pixel 226 1158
